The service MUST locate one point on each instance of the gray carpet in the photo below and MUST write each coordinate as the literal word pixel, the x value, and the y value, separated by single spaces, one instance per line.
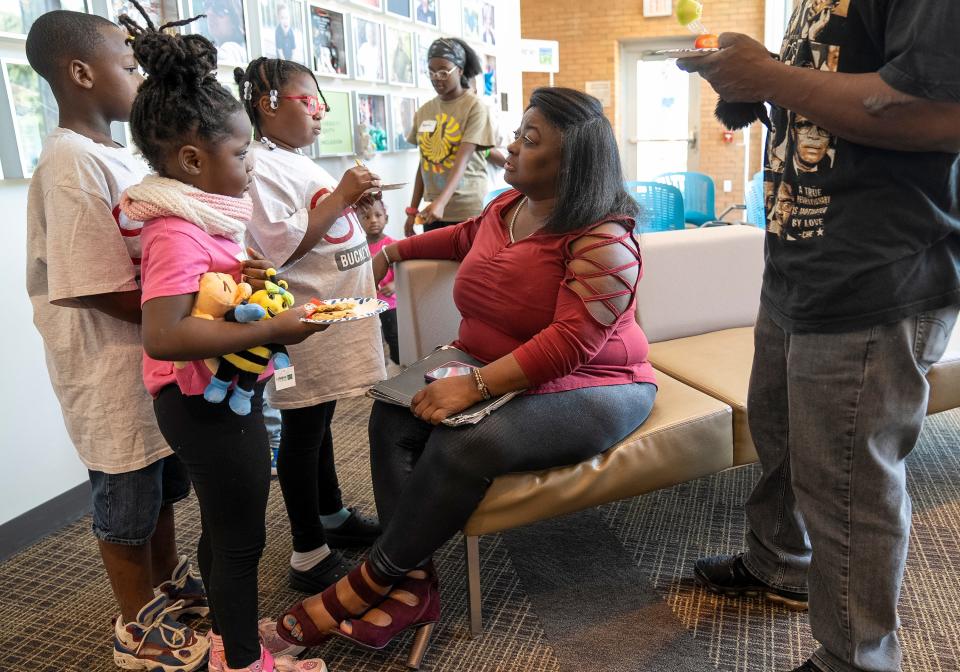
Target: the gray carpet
pixel 607 589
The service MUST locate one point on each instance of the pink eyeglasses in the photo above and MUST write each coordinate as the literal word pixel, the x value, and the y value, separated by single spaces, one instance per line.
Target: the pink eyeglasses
pixel 314 104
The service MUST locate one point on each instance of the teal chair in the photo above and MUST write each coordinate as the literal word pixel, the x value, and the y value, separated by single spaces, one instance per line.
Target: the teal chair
pixel 493 194
pixel 661 206
pixel 756 211
pixel 698 195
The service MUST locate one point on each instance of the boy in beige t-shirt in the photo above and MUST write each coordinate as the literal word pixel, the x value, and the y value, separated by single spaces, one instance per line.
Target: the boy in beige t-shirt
pixel 83 281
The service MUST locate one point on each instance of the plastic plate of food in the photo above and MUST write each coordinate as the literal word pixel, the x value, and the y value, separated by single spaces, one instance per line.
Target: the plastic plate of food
pixel 331 311
pixel 684 52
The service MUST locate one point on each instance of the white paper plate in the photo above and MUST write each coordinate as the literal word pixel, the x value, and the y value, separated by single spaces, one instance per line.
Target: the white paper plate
pixel 684 53
pixel 366 307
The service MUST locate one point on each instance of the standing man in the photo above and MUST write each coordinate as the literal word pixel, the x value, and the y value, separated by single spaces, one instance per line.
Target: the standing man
pixel 860 293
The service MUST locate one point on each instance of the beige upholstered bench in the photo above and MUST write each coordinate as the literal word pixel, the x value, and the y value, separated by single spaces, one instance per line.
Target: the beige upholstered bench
pixel 697 303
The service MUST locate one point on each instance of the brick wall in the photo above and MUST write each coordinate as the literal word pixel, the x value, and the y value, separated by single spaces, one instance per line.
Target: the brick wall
pixel 590 33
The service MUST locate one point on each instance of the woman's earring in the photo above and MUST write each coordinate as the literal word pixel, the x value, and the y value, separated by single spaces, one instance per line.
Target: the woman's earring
pixel 273 99
pixel 246 90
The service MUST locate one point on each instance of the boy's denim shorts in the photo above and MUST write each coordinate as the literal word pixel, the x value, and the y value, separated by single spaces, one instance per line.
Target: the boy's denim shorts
pixel 126 506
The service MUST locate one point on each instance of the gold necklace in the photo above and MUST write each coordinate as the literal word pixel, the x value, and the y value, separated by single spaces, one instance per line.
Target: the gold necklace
pixel 513 220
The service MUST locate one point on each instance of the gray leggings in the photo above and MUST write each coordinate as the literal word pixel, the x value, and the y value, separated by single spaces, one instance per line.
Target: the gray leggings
pixel 429 480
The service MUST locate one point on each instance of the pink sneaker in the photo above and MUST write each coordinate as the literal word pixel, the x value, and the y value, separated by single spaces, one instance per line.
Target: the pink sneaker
pixel 268 663
pixel 269 640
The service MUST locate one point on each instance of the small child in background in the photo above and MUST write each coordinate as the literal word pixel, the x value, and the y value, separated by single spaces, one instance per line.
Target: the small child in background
pixel 83 278
pixel 373 219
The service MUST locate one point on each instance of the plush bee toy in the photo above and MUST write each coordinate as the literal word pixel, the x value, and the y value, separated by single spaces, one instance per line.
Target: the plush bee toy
pixel 249 364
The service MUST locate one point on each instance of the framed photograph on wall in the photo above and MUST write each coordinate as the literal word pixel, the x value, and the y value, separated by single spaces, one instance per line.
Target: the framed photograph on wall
pixel 370 4
pixel 488 23
pixel 33 110
pixel 337 128
pixel 16 16
pixel 368 51
pixel 402 109
pixel 487 84
pixel 158 11
pixel 423 71
pixel 328 37
pixel 282 30
pixel 425 12
pixel 400 56
pixel 372 122
pixel 471 20
pixel 225 25
pixel 400 8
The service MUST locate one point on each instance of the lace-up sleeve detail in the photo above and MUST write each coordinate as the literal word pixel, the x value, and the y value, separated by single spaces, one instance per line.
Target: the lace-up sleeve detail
pixel 603 270
pixel 596 296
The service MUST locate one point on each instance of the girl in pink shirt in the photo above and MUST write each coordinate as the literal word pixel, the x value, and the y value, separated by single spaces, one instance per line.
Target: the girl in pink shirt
pixel 195 135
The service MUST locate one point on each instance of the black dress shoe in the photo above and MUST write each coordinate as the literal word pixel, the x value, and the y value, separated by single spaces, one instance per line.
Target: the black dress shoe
pixel 357 531
pixel 727 575
pixel 806 667
pixel 322 575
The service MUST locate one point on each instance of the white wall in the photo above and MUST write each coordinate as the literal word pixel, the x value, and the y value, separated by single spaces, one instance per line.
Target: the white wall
pixel 39 461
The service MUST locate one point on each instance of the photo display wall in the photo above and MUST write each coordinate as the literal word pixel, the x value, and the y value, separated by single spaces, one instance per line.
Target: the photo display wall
pixel 369 56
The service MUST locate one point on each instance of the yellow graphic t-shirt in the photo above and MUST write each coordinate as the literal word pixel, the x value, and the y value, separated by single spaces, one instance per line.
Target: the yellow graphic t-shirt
pixel 439 128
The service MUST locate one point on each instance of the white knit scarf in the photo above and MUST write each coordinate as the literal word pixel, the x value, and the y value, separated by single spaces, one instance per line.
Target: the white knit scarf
pixel 163 197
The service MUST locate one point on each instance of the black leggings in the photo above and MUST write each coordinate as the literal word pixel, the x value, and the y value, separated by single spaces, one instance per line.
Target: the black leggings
pixel 228 459
pixel 307 472
pixel 428 480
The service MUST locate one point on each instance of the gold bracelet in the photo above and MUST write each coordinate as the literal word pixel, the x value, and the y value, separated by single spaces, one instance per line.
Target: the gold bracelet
pixel 383 251
pixel 481 386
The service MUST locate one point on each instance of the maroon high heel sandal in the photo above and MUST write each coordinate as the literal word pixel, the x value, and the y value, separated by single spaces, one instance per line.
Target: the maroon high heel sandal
pixel 310 635
pixel 423 616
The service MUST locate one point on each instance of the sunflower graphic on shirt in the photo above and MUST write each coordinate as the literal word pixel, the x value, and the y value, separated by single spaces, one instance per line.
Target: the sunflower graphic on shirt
pixel 438 148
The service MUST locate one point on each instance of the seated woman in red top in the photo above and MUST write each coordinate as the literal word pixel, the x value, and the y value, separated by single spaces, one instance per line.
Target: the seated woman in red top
pixel 546 288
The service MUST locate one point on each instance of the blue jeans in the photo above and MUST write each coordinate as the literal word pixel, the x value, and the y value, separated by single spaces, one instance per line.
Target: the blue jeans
pixel 126 505
pixel 833 416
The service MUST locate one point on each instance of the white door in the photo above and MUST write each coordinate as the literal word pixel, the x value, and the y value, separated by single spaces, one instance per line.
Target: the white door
pixel 661 122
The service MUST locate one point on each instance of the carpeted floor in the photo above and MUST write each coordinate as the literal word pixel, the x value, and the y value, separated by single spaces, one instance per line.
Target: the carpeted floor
pixel 602 590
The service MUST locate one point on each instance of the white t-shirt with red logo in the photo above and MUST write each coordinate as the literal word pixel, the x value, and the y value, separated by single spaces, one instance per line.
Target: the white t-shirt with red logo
pixel 78 246
pixel 347 358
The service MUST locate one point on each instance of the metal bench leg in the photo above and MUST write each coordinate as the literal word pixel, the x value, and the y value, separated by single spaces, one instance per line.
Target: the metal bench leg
pixel 472 546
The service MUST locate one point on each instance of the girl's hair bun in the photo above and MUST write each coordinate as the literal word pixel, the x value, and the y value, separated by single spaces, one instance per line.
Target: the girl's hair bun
pixel 178 60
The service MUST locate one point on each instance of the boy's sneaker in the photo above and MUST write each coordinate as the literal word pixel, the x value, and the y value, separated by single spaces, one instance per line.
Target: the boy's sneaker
pixel 269 640
pixel 728 575
pixel 357 531
pixel 269 663
pixel 157 642
pixel 185 586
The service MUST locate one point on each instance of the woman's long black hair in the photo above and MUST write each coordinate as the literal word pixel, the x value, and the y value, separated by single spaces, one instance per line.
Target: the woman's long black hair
pixel 181 95
pixel 590 183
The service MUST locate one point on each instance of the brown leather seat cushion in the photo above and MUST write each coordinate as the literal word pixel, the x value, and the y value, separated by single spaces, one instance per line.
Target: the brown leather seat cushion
pixel 688 435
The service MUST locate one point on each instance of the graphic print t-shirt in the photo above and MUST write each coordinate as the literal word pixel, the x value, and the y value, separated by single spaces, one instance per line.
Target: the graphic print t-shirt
pixel 860 236
pixel 346 359
pixel 439 127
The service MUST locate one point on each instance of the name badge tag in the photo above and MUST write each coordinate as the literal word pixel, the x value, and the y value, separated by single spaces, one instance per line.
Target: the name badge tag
pixel 284 378
pixel 428 126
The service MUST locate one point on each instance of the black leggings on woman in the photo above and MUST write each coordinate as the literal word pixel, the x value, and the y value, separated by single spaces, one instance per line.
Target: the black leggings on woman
pixel 307 473
pixel 228 459
pixel 429 480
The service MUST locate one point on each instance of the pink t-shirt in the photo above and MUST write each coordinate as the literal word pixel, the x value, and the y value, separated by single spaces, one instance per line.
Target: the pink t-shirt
pixel 374 249
pixel 175 254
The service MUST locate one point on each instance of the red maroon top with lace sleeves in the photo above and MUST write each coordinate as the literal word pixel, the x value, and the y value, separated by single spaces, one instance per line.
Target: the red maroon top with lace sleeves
pixel 563 304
